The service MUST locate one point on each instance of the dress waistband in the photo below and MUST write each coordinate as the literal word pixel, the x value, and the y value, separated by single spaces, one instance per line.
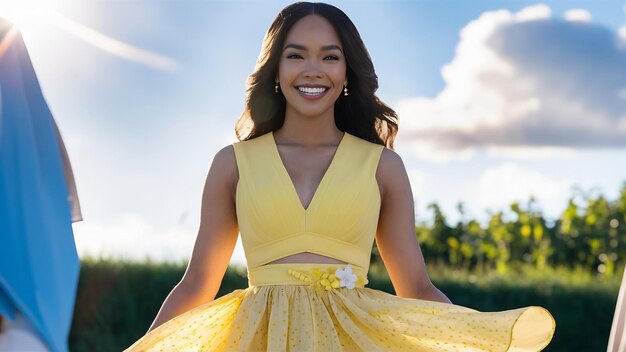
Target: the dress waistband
pixel 320 275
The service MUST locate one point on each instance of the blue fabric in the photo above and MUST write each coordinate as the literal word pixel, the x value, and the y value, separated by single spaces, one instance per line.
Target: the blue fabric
pixel 6 306
pixel 39 265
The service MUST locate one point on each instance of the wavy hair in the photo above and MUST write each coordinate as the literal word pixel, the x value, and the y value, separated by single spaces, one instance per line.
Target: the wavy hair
pixel 361 113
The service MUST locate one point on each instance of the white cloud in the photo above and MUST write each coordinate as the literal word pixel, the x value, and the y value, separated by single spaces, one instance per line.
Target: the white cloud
pixel 622 124
pixel 521 83
pixel 531 153
pixel 418 182
pixel 577 15
pixel 533 13
pixel 131 237
pixel 622 33
pixel 427 151
pixel 499 186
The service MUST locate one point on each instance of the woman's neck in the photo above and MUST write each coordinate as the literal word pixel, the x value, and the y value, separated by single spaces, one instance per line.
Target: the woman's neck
pixel 309 131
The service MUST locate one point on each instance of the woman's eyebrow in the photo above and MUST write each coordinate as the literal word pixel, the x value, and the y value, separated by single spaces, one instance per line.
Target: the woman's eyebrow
pixel 324 48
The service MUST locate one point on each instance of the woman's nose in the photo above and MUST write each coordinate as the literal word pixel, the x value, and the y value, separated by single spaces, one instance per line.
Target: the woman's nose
pixel 313 74
pixel 312 71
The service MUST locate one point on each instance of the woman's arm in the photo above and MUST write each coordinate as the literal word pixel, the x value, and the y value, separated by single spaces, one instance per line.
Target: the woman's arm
pixel 395 236
pixel 214 244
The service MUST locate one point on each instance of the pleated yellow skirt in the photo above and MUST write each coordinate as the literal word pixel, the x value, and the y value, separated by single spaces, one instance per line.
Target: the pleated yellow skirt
pixel 279 312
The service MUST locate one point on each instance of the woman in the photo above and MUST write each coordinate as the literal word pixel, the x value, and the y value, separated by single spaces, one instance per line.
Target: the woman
pixel 310 185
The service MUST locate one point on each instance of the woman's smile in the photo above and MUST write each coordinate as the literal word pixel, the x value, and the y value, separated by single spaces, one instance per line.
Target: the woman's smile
pixel 312 92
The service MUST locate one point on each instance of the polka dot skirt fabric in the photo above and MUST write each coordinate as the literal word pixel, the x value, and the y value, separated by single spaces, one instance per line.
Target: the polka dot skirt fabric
pixel 301 318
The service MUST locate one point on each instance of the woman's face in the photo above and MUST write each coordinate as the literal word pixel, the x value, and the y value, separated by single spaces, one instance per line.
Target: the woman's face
pixel 312 68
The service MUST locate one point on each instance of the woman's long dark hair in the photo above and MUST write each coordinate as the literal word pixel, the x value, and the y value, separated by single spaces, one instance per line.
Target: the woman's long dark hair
pixel 360 113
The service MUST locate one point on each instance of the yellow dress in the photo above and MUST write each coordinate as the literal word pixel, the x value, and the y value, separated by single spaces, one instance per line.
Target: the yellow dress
pixel 325 307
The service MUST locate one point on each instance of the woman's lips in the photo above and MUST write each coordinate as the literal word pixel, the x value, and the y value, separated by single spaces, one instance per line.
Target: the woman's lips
pixel 312 93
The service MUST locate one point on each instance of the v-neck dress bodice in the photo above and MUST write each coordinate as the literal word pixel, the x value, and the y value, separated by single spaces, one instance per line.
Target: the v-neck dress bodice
pixel 288 177
pixel 340 221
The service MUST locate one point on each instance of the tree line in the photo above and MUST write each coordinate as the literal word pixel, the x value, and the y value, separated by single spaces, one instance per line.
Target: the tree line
pixel 590 233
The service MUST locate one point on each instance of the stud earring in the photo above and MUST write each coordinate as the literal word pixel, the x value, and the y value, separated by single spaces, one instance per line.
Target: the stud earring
pixel 345 91
pixel 276 88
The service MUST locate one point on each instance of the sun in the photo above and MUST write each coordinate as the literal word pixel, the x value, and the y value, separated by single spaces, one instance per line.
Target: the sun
pixel 25 18
pixel 34 18
pixel 27 15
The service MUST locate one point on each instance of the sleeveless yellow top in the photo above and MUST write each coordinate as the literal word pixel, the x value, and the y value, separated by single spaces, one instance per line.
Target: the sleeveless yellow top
pixel 340 221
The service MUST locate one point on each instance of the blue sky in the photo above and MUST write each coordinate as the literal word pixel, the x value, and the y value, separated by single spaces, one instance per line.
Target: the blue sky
pixel 498 100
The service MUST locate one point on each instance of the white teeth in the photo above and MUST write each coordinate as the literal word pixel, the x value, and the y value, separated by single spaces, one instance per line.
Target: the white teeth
pixel 312 91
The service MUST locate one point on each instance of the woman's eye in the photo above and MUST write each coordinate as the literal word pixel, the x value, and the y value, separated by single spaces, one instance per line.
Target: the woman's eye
pixel 298 56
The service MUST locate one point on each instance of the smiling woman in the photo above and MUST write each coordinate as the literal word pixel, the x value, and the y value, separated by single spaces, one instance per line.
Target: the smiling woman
pixel 315 72
pixel 311 184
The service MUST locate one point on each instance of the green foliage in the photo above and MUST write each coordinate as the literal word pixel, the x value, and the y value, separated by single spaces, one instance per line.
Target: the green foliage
pixel 590 233
pixel 117 301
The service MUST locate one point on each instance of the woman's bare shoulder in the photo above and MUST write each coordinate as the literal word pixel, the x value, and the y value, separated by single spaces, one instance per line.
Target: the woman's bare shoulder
pixel 390 159
pixel 225 166
pixel 226 157
pixel 390 169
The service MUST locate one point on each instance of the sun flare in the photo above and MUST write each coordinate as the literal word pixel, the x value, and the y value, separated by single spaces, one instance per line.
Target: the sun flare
pixel 31 16
pixel 26 15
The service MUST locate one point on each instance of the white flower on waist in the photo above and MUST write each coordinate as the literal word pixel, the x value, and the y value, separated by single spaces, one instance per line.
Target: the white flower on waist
pixel 346 277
